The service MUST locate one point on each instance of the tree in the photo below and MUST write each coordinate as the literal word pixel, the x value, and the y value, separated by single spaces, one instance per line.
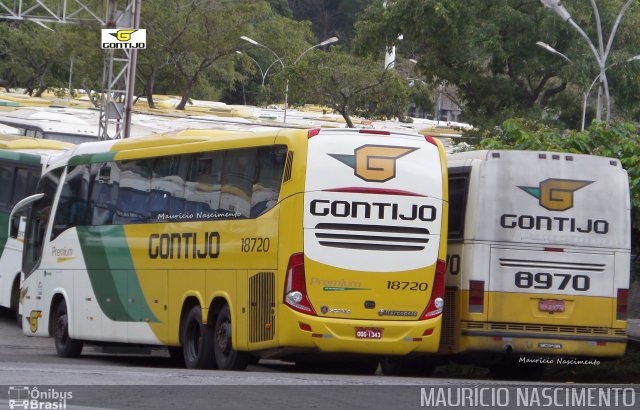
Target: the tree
pixel 350 85
pixel 487 50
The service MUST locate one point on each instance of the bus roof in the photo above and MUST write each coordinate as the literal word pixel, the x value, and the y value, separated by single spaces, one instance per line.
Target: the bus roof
pixel 485 155
pixel 11 142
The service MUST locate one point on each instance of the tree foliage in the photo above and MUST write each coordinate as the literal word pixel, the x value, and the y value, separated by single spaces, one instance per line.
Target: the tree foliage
pixel 487 49
pixel 350 85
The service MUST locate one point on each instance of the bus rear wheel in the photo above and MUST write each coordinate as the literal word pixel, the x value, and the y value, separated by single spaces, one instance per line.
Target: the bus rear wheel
pixel 226 357
pixel 65 345
pixel 197 341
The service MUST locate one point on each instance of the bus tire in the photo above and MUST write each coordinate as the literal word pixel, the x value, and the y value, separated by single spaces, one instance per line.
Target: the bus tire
pixel 226 357
pixel 396 366
pixel 15 301
pixel 197 341
pixel 65 345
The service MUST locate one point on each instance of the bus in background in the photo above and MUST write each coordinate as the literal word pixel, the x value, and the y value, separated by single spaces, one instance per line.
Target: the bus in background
pixel 21 163
pixel 538 260
pixel 227 246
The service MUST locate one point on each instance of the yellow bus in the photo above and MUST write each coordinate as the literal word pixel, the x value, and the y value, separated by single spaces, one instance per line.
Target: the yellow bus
pixel 227 245
pixel 22 161
pixel 538 261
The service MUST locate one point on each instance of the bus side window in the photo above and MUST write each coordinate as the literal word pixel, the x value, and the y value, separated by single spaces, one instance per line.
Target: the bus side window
pixel 202 187
pixel 103 196
pixel 25 185
pixel 237 182
pixel 266 187
pixel 133 194
pixel 458 187
pixel 6 182
pixel 72 206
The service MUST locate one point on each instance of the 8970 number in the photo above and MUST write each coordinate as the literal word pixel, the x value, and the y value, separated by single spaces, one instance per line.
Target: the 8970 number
pixel 544 280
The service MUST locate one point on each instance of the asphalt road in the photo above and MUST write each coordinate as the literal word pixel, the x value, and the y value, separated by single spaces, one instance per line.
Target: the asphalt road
pixel 29 366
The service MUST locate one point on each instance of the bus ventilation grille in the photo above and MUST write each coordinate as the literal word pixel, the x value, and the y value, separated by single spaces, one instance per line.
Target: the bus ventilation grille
pixel 287 167
pixel 262 307
pixel 448 334
pixel 372 237
pixel 522 327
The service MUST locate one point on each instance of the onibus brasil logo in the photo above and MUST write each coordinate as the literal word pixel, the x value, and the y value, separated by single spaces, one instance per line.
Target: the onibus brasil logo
pixel 124 38
pixel 25 397
pixel 555 194
pixel 374 163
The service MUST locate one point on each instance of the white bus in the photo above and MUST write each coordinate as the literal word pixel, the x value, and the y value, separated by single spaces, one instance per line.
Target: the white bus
pixel 21 163
pixel 538 259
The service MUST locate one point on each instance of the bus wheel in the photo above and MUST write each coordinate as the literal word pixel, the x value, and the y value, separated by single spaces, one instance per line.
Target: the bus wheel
pixel 15 302
pixel 226 357
pixel 529 372
pixel 395 366
pixel 197 341
pixel 65 346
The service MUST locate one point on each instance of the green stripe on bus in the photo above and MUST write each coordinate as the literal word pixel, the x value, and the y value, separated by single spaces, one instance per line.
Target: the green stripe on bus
pixel 92 158
pixel 112 275
pixel 20 156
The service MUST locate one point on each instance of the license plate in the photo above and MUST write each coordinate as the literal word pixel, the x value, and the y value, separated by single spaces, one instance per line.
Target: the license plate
pixel 551 305
pixel 368 333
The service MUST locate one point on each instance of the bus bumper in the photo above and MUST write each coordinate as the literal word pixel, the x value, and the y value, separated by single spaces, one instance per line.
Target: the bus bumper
pixel 541 344
pixel 334 335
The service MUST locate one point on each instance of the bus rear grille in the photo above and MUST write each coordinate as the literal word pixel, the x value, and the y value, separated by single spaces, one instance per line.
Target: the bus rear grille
pixel 261 307
pixel 372 237
pixel 521 327
pixel 448 333
pixel 532 264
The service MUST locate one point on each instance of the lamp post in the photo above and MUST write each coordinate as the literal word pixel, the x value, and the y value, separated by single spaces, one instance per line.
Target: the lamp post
pixel 278 59
pixel 601 53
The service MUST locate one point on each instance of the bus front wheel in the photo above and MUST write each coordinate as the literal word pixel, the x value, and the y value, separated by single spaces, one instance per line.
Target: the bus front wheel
pixel 65 345
pixel 226 357
pixel 197 341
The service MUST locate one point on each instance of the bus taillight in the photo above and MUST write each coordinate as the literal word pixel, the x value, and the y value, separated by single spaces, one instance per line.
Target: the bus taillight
pixel 621 304
pixel 476 296
pixel 436 303
pixel 295 292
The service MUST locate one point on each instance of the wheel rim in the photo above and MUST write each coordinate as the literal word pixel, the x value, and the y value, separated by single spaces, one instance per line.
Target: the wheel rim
pixel 62 335
pixel 223 339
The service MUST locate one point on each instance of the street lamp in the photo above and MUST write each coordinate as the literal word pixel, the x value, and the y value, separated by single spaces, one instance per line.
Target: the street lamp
pixel 263 74
pixel 602 54
pixel 278 59
pixel 553 50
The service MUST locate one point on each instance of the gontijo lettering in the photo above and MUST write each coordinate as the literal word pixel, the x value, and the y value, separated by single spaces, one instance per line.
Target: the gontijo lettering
pixel 184 245
pixel 376 210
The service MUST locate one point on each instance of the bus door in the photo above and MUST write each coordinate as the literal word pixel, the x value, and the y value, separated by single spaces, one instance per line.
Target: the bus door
pixel 34 262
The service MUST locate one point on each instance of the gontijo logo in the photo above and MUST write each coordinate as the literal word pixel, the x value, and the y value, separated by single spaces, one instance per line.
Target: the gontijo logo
pixel 556 194
pixel 124 38
pixel 374 163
